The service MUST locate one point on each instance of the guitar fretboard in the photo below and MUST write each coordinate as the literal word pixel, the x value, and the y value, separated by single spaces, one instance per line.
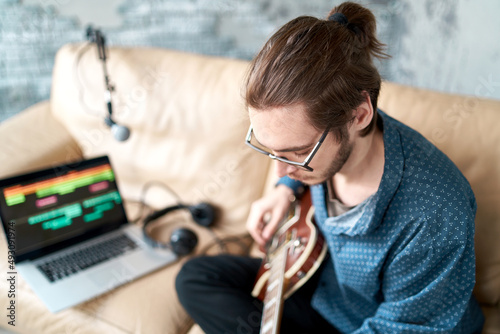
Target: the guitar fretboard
pixel 273 301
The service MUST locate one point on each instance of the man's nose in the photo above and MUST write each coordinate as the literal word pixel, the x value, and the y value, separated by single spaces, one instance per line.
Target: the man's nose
pixel 283 169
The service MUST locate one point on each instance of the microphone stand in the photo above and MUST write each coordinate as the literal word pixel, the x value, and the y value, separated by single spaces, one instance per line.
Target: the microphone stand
pixel 101 48
pixel 121 133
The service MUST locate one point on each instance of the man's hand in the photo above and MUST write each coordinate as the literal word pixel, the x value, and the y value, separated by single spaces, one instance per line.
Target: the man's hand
pixel 267 212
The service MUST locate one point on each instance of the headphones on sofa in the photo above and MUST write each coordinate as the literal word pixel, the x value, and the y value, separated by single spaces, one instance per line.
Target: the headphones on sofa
pixel 182 240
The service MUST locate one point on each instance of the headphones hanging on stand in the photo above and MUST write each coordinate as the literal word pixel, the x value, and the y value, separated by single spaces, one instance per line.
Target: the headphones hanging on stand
pixel 182 240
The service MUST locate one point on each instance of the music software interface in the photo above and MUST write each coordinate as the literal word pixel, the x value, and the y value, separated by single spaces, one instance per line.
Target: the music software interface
pixel 57 207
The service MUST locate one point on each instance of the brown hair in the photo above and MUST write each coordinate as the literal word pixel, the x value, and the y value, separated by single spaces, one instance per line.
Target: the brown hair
pixel 325 65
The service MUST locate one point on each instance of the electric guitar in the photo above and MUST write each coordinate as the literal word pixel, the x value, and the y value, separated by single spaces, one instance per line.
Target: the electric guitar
pixel 293 255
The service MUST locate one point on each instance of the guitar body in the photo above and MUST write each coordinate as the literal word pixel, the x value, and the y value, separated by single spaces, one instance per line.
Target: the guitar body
pixel 295 253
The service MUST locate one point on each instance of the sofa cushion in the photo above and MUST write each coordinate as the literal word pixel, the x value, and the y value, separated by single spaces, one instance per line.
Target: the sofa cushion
pixel 34 139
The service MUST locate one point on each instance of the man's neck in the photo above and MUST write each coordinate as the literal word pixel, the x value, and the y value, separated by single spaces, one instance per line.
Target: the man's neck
pixel 361 175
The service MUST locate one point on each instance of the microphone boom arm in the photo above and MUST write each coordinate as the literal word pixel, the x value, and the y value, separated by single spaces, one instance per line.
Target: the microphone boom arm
pixel 120 132
pixel 101 49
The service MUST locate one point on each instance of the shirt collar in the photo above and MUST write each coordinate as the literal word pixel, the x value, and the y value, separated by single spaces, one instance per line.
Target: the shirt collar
pixel 374 207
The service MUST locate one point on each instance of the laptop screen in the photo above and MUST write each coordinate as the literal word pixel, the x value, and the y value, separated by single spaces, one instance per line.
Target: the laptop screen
pixel 51 209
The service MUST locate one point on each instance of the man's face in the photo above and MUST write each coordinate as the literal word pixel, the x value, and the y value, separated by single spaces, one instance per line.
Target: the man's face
pixel 287 133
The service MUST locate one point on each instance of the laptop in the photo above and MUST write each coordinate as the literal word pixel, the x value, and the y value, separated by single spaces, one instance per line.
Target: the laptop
pixel 71 235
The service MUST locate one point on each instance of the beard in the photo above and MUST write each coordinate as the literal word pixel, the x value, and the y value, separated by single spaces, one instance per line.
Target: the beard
pixel 335 166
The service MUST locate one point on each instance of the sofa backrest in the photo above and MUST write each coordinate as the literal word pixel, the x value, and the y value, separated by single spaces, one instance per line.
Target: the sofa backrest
pixel 466 128
pixel 187 122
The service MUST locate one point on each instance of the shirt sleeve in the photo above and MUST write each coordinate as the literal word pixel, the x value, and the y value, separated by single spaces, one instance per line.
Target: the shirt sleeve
pixel 297 186
pixel 427 287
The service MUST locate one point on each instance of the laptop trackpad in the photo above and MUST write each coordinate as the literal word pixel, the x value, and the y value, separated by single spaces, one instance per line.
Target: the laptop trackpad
pixel 111 276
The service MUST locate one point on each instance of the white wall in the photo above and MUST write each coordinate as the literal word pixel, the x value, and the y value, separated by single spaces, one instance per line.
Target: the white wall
pixel 451 46
pixel 102 13
pixel 446 45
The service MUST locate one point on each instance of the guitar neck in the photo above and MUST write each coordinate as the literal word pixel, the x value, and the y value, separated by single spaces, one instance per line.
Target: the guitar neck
pixel 273 301
pixel 292 257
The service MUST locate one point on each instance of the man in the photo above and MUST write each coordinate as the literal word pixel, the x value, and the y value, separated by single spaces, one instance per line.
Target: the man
pixel 397 215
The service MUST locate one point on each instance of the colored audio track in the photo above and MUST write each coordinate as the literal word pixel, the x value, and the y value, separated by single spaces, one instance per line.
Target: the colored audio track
pixel 64 216
pixel 101 204
pixel 40 203
pixel 60 185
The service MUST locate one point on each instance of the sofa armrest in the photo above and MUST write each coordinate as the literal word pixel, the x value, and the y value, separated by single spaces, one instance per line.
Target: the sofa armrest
pixel 34 139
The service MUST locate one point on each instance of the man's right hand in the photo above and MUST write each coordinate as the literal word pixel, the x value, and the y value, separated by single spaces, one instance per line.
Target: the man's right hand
pixel 267 212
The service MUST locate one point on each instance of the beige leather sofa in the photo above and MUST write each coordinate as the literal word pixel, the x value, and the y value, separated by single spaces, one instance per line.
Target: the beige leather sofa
pixel 188 123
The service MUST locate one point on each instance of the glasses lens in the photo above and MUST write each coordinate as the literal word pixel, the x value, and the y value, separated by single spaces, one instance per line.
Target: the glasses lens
pixel 259 146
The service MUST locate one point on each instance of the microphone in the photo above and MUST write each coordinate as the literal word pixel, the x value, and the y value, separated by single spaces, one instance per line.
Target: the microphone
pixel 120 132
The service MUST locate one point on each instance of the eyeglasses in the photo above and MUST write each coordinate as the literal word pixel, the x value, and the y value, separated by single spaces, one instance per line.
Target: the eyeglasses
pixel 302 165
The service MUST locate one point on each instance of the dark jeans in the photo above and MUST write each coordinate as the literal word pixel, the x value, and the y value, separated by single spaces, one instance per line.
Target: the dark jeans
pixel 216 292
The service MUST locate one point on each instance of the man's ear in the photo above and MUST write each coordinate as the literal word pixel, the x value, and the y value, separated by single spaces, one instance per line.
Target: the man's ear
pixel 363 113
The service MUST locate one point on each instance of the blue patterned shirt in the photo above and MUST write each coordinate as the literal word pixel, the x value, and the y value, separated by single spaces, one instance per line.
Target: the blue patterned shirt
pixel 403 260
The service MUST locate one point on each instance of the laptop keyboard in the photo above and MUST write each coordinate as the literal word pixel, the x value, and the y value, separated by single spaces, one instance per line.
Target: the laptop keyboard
pixel 72 263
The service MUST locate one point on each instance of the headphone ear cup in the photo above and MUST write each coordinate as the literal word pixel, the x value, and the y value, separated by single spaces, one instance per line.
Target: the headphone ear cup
pixel 183 241
pixel 202 213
